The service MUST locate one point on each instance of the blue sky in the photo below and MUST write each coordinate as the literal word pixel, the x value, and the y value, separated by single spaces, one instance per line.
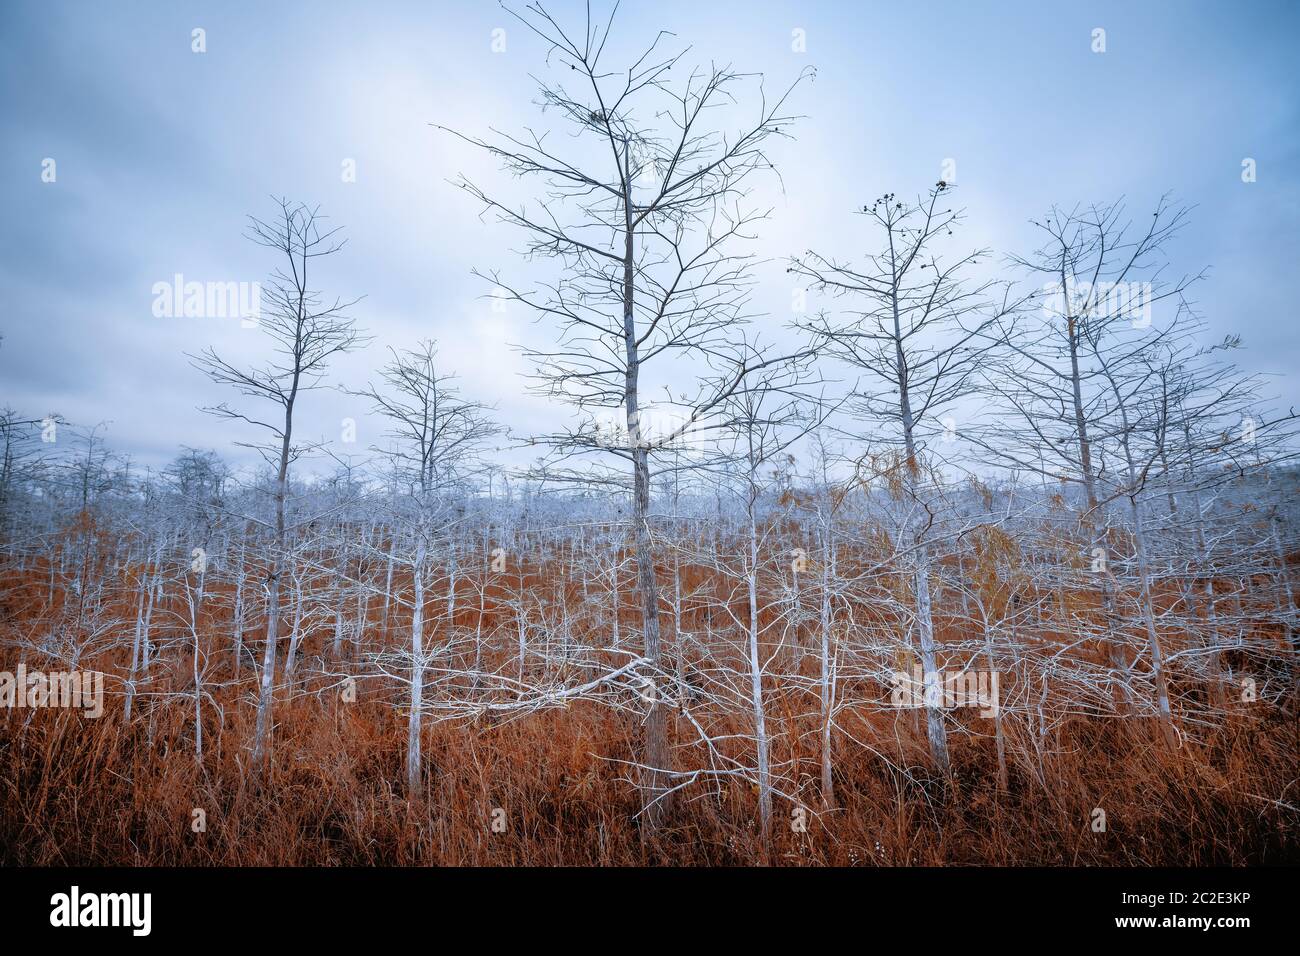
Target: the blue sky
pixel 161 152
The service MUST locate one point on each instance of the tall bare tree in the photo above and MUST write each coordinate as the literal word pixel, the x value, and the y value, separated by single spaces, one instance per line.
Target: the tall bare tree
pixel 914 331
pixel 642 213
pixel 1074 369
pixel 305 331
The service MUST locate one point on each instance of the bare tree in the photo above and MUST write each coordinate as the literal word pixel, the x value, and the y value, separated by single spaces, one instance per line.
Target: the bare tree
pixel 909 334
pixel 1073 373
pixel 643 228
pixel 766 418
pixel 436 438
pixel 305 332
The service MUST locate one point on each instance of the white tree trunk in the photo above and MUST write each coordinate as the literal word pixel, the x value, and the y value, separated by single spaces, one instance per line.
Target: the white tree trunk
pixel 417 676
pixel 756 693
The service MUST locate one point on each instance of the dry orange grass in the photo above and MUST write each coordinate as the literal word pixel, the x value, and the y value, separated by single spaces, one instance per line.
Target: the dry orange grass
pixel 75 791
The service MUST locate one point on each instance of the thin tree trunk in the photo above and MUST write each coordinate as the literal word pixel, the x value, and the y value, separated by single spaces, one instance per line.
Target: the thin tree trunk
pixel 655 756
pixel 997 713
pixel 1153 638
pixel 936 732
pixel 239 613
pixel 827 686
pixel 417 676
pixel 145 589
pixel 760 716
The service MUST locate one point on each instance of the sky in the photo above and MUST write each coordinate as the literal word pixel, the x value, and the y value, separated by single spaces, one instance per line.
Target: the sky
pixel 161 152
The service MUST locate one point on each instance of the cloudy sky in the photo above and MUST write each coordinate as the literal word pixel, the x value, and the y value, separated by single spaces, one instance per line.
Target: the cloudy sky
pixel 160 152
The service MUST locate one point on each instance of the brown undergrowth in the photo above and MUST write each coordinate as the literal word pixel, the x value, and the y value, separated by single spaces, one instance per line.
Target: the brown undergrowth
pixel 75 791
pixel 559 786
